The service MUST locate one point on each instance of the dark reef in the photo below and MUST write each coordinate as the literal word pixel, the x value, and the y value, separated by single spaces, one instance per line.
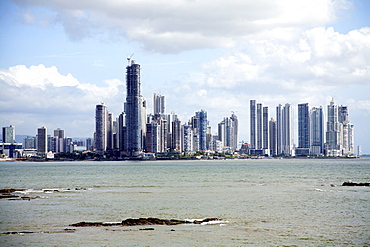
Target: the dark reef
pixel 355 184
pixel 142 222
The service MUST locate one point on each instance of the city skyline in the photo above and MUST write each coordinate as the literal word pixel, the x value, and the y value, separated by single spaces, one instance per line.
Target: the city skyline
pixel 75 58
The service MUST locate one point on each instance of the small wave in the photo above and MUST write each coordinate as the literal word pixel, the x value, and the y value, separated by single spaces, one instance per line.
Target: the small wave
pixel 207 221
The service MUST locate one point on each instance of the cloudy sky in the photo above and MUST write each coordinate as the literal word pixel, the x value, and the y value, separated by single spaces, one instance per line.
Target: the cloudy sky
pixel 61 58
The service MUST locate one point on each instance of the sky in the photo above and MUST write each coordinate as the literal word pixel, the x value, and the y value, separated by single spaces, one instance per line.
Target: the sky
pixel 59 59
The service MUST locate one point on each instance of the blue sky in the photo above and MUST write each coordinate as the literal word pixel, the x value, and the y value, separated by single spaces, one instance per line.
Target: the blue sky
pixel 61 58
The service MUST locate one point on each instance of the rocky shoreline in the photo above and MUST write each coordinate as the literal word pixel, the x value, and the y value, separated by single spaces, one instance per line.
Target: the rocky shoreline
pixel 144 222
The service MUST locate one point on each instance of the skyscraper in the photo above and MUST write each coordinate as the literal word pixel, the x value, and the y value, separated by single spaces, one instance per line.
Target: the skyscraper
pixel 265 129
pixel 101 115
pixel 59 141
pixel 158 104
pixel 176 135
pixel 42 141
pixel 109 133
pixel 285 137
pixel 253 124
pixel 346 131
pixel 134 105
pixel 279 145
pixel 228 132
pixel 303 126
pixel 273 137
pixel 316 131
pixel 332 131
pixel 259 126
pixel 202 129
pixel 234 131
pixel 9 134
pixel 186 138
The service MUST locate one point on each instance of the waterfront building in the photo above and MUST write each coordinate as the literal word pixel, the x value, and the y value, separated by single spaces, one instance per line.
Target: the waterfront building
pixel 279 145
pixel 109 131
pixel 332 145
pixel 265 129
pixel 253 124
pixel 202 129
pixel 89 144
pixel 228 132
pixel 101 115
pixel 176 135
pixel 259 126
pixel 303 130
pixel 122 144
pixel 42 141
pixel 59 144
pixel 134 116
pixel 9 134
pixel 30 142
pixel 316 131
pixel 187 138
pixel 285 138
pixel 273 137
pixel 153 137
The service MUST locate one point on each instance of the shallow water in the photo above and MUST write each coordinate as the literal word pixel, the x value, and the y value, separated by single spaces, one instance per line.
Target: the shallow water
pixel 262 202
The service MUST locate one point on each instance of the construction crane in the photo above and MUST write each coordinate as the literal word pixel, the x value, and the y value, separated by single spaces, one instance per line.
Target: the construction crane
pixel 129 58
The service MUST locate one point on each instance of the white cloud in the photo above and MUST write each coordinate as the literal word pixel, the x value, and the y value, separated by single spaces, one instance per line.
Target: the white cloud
pixel 178 25
pixel 46 97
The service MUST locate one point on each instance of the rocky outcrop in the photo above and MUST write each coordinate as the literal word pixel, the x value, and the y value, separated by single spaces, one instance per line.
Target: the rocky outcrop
pixel 143 222
pixel 355 184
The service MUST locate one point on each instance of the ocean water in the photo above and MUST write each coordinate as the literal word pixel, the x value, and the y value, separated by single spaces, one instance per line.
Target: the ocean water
pixel 287 202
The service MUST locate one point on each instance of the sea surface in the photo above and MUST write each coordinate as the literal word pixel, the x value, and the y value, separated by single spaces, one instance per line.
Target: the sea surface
pixel 267 202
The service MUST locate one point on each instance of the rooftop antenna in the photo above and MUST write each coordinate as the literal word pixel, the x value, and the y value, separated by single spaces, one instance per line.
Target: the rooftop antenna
pixel 129 58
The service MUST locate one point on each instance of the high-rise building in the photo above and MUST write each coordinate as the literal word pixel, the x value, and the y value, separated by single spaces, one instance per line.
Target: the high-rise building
pixel 346 131
pixel 316 131
pixel 158 104
pixel 176 135
pixel 253 124
pixel 303 126
pixel 59 133
pixel 101 115
pixel 89 142
pixel 122 144
pixel 259 126
pixel 332 144
pixel 273 137
pixel 30 142
pixel 187 138
pixel 342 114
pixel 234 132
pixel 202 129
pixel 228 132
pixel 9 134
pixel 279 137
pixel 265 129
pixel 134 107
pixel 152 137
pixel 285 138
pixel 109 130
pixel 42 141
pixel 59 144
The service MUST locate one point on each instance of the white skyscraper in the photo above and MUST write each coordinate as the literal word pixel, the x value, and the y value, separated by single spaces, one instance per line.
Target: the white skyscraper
pixel 285 138
pixel 332 144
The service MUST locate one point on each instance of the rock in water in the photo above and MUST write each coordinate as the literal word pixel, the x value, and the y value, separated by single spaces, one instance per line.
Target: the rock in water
pixel 142 222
